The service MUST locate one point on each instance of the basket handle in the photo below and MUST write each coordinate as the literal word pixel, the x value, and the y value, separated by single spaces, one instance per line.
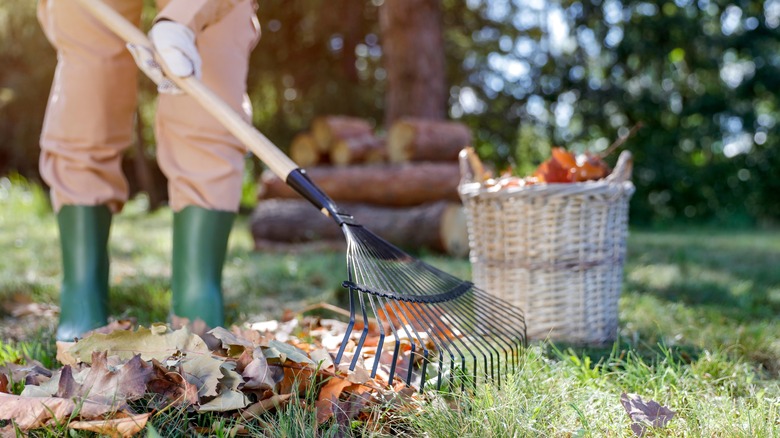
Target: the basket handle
pixel 471 167
pixel 623 169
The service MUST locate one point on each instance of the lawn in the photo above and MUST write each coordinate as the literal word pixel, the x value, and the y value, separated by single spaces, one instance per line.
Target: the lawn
pixel 699 330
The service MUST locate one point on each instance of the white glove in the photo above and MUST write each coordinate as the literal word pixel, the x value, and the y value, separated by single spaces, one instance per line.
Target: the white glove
pixel 175 44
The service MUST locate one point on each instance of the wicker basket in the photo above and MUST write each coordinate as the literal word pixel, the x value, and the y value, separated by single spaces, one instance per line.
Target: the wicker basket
pixel 554 250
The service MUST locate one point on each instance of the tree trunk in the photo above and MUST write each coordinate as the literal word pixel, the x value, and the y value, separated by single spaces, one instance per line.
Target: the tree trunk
pixel 413 56
pixel 403 184
pixel 439 226
pixel 426 140
pixel 328 129
pixel 363 149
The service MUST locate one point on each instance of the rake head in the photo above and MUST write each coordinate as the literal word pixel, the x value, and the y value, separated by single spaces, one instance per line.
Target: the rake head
pixel 432 328
pixel 425 325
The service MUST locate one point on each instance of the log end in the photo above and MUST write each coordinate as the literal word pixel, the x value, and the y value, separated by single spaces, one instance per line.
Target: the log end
pixel 400 141
pixel 304 151
pixel 454 232
pixel 340 154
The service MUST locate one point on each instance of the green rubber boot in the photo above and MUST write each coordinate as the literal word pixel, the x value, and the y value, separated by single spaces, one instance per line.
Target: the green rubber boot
pixel 84 294
pixel 200 239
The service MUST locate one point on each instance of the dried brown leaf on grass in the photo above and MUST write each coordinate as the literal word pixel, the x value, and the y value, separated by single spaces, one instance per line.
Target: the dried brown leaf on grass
pixel 233 344
pixel 34 412
pixel 4 384
pixel 258 375
pixel 329 396
pixel 171 385
pixel 275 401
pixel 30 371
pixel 645 414
pixel 157 342
pixel 114 427
pixel 105 386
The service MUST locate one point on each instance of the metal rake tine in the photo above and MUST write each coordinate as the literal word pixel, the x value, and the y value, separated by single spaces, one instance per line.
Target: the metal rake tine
pixel 365 272
pixel 381 341
pixel 430 314
pixel 397 348
pixel 438 334
pixel 484 348
pixel 422 313
pixel 350 326
pixel 362 340
pixel 435 332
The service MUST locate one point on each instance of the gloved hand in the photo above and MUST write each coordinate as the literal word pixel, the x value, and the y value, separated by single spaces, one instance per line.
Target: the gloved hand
pixel 175 45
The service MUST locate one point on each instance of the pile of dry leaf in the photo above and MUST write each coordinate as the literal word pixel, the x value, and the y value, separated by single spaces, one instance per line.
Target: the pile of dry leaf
pixel 242 372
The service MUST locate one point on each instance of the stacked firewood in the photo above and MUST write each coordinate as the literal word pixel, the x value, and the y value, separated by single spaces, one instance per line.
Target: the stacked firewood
pixel 402 185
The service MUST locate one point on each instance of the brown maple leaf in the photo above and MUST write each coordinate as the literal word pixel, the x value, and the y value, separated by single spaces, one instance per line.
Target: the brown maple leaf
pixel 103 385
pixel 645 415
pixel 171 385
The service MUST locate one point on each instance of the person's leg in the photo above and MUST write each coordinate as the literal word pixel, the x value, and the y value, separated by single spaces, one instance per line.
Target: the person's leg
pixel 204 165
pixel 88 125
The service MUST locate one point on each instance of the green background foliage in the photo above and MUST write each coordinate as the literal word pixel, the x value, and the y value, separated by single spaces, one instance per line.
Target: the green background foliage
pixel 700 75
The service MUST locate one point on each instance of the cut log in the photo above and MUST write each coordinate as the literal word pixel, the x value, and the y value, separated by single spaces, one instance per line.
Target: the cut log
pixel 426 140
pixel 327 129
pixel 304 150
pixel 438 226
pixel 363 149
pixel 403 184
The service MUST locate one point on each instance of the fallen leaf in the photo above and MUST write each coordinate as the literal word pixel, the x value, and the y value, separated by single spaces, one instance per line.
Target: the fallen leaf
pixel 63 353
pixel 358 375
pixel 115 427
pixel 34 412
pixel 295 380
pixel 256 337
pixel 329 396
pixel 23 372
pixel 227 400
pixel 122 324
pixel 322 358
pixel 21 310
pixel 4 384
pixel 285 352
pixel 233 344
pixel 645 415
pixel 348 409
pixel 171 385
pixel 157 342
pixel 265 405
pixel 257 374
pixel 105 386
pixel 203 371
pixel 47 388
pixel 9 432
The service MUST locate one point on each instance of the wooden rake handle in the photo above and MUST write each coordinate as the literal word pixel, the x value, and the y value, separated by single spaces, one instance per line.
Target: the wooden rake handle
pixel 259 144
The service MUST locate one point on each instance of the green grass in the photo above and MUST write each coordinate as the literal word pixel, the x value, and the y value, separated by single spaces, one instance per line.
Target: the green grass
pixel 699 330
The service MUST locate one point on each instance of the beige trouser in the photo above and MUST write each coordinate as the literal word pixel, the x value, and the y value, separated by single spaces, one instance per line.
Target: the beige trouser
pixel 89 118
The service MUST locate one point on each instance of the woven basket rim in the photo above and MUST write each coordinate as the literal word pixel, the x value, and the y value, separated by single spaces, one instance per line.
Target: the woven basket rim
pixel 617 183
pixel 474 189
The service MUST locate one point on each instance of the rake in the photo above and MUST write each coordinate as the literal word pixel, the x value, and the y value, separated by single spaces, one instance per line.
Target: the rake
pixel 426 326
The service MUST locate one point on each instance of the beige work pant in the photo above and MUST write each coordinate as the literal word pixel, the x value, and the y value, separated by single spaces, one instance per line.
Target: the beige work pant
pixel 89 118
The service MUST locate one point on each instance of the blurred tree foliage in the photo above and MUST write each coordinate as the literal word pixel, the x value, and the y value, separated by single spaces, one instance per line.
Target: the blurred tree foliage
pixel 701 75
